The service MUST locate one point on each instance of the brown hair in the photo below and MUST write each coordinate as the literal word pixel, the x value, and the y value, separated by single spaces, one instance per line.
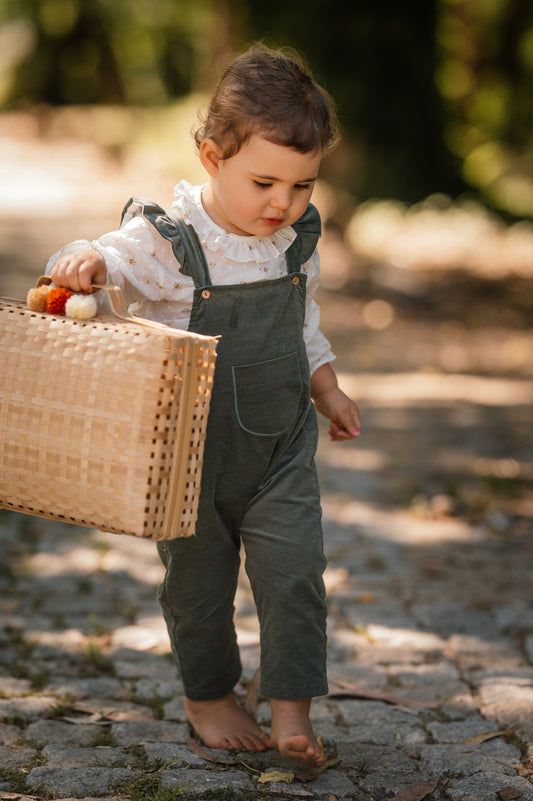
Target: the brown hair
pixel 270 93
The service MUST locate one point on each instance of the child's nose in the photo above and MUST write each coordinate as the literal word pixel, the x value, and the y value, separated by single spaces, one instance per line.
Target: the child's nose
pixel 281 199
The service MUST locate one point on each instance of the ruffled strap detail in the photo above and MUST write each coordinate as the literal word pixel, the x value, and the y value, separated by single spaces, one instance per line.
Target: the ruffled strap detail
pixel 260 249
pixel 308 229
pixel 182 236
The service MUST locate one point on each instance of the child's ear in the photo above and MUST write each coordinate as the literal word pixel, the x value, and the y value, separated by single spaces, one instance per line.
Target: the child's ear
pixel 210 156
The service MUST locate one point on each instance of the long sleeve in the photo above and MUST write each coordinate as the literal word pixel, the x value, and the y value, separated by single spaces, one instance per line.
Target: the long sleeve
pixel 318 348
pixel 143 265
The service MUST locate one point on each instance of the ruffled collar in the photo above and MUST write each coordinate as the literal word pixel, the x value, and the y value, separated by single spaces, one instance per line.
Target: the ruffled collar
pixel 258 249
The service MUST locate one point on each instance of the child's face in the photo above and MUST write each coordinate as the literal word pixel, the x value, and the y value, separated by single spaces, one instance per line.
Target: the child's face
pixel 262 188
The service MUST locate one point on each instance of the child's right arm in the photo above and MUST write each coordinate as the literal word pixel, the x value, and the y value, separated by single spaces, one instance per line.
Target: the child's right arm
pixel 79 270
pixel 134 258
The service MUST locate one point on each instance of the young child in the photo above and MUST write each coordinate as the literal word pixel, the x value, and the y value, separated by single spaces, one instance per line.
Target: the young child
pixel 266 130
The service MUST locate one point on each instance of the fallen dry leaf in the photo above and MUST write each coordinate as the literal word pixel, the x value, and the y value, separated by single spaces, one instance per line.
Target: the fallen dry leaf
pixel 102 716
pixel 477 739
pixel 416 793
pixel 276 776
pixel 308 774
pixel 18 797
pixel 524 770
pixel 343 689
pixel 199 751
pixel 118 715
pixel 509 794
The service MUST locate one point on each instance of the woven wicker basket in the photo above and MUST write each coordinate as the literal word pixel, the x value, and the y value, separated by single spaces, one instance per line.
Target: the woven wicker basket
pixel 103 422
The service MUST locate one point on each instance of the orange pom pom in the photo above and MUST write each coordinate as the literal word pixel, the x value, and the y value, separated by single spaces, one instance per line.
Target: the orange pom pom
pixel 56 300
pixel 36 298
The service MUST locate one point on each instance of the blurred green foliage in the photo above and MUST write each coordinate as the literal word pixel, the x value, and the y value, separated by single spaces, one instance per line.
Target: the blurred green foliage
pixel 378 60
pixel 434 95
pixel 485 76
pixel 99 51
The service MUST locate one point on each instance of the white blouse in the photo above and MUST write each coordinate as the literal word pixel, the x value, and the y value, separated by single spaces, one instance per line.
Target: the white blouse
pixel 142 263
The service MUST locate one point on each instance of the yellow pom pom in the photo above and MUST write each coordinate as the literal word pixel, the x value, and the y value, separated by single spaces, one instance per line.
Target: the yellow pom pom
pixel 81 307
pixel 36 298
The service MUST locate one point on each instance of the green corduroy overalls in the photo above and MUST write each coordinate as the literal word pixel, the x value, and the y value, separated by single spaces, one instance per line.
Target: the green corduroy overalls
pixel 259 484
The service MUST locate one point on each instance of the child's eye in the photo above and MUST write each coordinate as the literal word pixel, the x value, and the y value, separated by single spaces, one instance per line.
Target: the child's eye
pixel 302 186
pixel 262 184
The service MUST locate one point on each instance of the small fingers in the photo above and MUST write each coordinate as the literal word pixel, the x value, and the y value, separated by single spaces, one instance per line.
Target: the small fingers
pixel 85 277
pixel 71 277
pixel 76 271
pixel 57 273
pixel 65 274
pixel 338 433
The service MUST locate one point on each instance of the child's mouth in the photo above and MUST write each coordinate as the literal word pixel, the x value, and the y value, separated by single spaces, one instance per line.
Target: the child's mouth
pixel 273 221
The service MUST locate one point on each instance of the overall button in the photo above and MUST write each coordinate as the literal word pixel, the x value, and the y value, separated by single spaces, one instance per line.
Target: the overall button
pixel 295 280
pixel 206 293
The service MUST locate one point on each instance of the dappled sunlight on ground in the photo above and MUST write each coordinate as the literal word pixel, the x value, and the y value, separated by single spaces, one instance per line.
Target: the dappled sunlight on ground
pixel 439 234
pixel 400 527
pixel 428 515
pixel 420 388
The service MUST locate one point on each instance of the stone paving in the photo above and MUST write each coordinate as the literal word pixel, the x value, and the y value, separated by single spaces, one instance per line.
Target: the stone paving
pixel 430 660
pixel 427 522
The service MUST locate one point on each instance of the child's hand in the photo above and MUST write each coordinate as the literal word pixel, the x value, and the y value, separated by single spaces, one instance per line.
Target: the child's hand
pixel 78 271
pixel 331 401
pixel 342 413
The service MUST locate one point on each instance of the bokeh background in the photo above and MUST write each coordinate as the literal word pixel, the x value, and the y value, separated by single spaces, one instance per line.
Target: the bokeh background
pixel 435 95
pixel 426 296
pixel 427 253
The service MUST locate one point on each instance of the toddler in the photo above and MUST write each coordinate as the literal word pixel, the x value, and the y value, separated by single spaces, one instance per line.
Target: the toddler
pixel 251 278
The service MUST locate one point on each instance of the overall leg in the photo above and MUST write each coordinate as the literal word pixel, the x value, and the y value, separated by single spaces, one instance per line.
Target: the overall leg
pixel 285 562
pixel 282 536
pixel 197 599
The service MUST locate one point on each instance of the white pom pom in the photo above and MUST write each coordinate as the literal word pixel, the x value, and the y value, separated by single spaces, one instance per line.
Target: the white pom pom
pixel 81 307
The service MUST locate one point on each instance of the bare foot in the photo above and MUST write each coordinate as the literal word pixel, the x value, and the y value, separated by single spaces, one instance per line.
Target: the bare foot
pixel 292 732
pixel 222 723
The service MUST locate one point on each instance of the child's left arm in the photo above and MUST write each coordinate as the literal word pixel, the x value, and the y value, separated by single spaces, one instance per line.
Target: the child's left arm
pixel 331 401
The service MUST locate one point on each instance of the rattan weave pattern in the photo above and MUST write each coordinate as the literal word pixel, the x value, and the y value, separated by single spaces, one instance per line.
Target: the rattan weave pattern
pixel 103 422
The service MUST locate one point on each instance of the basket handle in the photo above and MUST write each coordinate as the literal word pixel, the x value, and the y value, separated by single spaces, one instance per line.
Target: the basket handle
pixel 116 299
pixel 117 302
pixel 115 295
pixel 119 308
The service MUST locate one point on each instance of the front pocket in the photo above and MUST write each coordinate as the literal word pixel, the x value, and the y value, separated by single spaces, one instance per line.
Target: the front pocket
pixel 268 394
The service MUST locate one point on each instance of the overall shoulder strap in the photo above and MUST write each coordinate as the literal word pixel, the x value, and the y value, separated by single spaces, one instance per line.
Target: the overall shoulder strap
pixel 308 229
pixel 183 238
